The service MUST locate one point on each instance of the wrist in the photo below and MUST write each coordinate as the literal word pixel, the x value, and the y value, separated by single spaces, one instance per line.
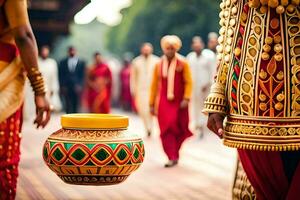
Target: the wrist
pixel 36 81
pixel 39 95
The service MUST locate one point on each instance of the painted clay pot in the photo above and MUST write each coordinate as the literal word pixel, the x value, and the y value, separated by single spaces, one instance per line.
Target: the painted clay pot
pixel 93 149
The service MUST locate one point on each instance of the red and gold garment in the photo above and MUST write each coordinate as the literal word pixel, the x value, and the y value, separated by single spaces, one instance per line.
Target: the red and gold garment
pixel 257 89
pixel 10 138
pixel 173 121
pixel 13 13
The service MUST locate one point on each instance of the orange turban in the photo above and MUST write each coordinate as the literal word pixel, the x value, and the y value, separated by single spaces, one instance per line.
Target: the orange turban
pixel 171 40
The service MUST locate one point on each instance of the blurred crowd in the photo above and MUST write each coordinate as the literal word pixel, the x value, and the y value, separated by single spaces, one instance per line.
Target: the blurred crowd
pixel 74 86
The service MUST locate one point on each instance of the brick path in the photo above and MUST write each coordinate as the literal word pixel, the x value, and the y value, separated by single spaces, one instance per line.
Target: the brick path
pixel 205 171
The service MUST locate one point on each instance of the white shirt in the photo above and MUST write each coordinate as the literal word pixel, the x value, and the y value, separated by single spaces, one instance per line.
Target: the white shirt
pixel 201 69
pixel 141 73
pixel 48 68
pixel 72 62
pixel 209 54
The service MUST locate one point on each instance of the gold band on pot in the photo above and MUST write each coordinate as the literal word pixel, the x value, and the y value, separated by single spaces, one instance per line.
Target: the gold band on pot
pixel 94 121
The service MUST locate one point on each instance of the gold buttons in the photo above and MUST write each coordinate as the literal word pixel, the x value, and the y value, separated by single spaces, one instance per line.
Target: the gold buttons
pixel 277 39
pixel 265 56
pixel 280 10
pixel 263 9
pixel 278 106
pixel 278 57
pixel 273 3
pixel 262 97
pixel 269 40
pixel 263 74
pixel 278 48
pixel 290 8
pixel 254 3
pixel 220 48
pixel 264 2
pixel 284 2
pixel 267 48
pixel 227 58
pixel 263 106
pixel 237 51
pixel 280 76
pixel 227 49
pixel 280 97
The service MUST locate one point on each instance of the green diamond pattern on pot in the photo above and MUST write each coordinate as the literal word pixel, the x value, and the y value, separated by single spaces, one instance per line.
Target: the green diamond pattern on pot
pixel 141 143
pixel 90 146
pixel 68 146
pixel 58 155
pixel 129 145
pixel 136 154
pixel 113 146
pixel 122 154
pixel 102 154
pixel 52 144
pixel 78 154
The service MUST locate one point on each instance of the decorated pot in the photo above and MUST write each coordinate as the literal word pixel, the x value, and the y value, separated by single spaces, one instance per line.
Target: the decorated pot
pixel 93 149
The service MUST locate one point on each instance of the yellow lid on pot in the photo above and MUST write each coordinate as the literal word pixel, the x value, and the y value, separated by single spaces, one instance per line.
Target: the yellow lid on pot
pixel 94 121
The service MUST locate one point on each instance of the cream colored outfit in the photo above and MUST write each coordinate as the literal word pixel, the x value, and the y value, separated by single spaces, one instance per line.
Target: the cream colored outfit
pixel 140 80
pixel 202 69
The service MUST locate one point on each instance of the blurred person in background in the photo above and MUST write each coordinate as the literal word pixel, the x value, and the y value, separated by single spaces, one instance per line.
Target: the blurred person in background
pixel 125 94
pixel 18 53
pixel 99 85
pixel 49 70
pixel 201 73
pixel 171 90
pixel 212 44
pixel 140 81
pixel 211 51
pixel 71 79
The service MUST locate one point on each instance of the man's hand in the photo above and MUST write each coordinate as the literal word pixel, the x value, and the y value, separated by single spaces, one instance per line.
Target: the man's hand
pixel 215 124
pixel 184 103
pixel 43 111
pixel 152 110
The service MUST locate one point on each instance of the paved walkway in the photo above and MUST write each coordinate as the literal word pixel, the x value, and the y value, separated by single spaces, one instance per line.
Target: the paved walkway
pixel 205 171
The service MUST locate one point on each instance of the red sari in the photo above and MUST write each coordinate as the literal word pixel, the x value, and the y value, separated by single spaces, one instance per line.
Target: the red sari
pixel 99 89
pixel 10 136
pixel 12 15
pixel 173 120
pixel 126 100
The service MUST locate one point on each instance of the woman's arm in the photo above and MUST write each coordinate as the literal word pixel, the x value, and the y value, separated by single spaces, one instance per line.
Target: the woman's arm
pixel 17 17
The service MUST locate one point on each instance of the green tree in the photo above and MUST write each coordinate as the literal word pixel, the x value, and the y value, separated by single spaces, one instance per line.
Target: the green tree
pixel 149 20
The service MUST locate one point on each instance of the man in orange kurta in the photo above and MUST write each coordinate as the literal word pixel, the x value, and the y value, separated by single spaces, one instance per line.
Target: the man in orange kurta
pixel 170 94
pixel 18 53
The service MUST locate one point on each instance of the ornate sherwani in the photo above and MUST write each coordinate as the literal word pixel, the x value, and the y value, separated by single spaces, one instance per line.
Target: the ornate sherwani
pixel 257 86
pixel 258 90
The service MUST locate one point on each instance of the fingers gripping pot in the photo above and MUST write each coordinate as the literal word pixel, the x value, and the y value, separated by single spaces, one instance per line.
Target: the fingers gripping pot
pixel 93 149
